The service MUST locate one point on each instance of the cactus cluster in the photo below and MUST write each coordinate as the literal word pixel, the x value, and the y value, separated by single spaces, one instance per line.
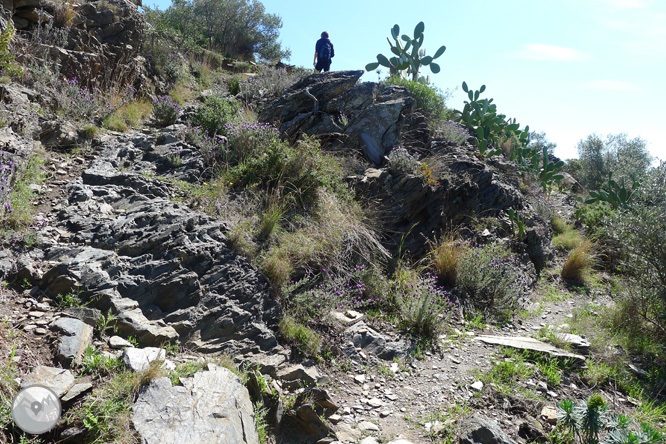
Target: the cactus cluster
pixel 409 54
pixel 538 165
pixel 491 129
pixel 615 194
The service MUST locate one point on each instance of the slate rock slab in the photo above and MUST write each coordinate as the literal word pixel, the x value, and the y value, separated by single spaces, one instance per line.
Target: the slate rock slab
pixel 374 342
pixel 57 379
pixel 75 337
pixel 139 359
pixel 211 407
pixel 525 343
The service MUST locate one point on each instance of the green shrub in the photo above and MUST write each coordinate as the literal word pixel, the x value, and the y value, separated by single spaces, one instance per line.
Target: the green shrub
pixel 489 278
pixel 568 240
pixel 299 170
pixel 165 110
pixel 429 98
pixel 128 115
pixel 304 339
pixel 215 113
pixel 424 306
pixel 401 162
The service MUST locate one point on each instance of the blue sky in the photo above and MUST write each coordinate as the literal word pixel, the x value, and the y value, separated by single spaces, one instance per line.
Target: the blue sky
pixel 567 67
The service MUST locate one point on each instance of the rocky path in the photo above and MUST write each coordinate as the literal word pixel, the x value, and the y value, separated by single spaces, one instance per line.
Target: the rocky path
pixel 419 399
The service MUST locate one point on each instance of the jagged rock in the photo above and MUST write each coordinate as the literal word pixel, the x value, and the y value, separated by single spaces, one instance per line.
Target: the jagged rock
pixel 212 406
pixel 57 134
pixel 478 429
pixel 531 430
pixel 549 414
pixel 116 342
pixel 57 379
pixel 296 376
pixel 165 271
pixel 463 188
pixel 76 391
pixel 577 341
pixel 86 314
pixel 304 424
pixel 265 364
pixel 347 318
pixel 370 116
pixel 371 341
pixel 76 337
pixel 139 359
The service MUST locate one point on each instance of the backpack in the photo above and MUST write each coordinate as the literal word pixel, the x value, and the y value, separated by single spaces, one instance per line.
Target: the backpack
pixel 325 52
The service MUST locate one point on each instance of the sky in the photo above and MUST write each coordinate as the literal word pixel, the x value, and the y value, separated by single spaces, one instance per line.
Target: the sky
pixel 569 68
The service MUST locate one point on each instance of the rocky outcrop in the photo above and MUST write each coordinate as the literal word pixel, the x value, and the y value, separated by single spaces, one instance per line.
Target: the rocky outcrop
pixel 211 407
pixel 167 272
pixel 368 116
pixel 462 191
pixel 97 42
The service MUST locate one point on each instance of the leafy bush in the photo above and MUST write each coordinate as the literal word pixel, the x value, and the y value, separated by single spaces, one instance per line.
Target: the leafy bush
pixel 165 110
pixel 452 132
pixel 543 208
pixel 214 115
pixel 238 29
pixel 303 338
pixel 7 64
pixel 615 154
pixel 400 161
pixel 299 170
pixel 268 84
pixel 489 278
pixel 249 139
pixel 78 101
pixel 128 115
pixel 429 99
pixel 424 306
pixel 334 291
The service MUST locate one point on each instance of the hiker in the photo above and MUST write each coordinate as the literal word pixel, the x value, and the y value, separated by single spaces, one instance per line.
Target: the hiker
pixel 324 52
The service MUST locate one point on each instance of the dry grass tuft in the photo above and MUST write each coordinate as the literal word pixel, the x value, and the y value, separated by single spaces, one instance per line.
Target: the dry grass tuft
pixel 444 257
pixel 578 264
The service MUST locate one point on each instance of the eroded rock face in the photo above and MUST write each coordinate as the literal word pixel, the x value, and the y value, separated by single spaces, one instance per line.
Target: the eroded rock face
pixel 165 270
pixel 465 190
pixel 98 44
pixel 370 116
pixel 211 407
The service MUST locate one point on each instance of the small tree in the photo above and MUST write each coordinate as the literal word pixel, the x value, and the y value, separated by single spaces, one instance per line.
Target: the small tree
pixel 410 56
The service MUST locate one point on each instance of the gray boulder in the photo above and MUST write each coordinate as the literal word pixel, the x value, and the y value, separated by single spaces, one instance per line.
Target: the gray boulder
pixel 75 338
pixel 211 407
pixel 478 429
pixel 139 359
pixel 374 342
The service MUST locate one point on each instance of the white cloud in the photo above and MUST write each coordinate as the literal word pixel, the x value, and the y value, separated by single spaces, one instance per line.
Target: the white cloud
pixel 538 51
pixel 630 4
pixel 611 85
